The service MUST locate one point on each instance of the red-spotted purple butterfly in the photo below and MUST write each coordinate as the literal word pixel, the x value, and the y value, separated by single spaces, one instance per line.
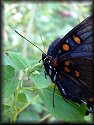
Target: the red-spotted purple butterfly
pixel 69 63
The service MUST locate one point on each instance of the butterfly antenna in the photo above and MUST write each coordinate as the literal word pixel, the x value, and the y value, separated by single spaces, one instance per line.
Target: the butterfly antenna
pixel 28 41
pixel 42 43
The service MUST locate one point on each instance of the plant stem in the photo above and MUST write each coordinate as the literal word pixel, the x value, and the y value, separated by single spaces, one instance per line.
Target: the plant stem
pixel 45 117
pixel 17 111
pixel 14 115
pixel 27 104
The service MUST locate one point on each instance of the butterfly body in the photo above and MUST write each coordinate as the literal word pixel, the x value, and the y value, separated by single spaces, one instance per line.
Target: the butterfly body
pixel 69 62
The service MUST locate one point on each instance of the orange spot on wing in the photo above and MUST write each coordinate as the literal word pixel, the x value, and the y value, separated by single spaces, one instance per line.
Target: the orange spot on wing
pixel 91 99
pixel 60 76
pixel 77 39
pixel 50 58
pixel 55 63
pixel 67 63
pixel 77 73
pixel 65 47
pixel 66 69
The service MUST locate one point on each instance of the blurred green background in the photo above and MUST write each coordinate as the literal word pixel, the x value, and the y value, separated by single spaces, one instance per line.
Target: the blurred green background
pixel 50 19
pixel 32 19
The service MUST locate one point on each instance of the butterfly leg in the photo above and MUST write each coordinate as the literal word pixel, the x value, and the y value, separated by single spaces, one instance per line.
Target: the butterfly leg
pixel 65 99
pixel 45 74
pixel 90 110
pixel 53 95
pixel 40 60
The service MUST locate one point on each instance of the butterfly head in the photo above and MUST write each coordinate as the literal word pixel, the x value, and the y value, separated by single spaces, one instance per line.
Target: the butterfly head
pixel 46 58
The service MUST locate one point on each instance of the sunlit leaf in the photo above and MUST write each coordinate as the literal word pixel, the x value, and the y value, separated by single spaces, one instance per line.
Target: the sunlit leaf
pixel 10 81
pixel 18 60
pixel 40 81
pixel 64 110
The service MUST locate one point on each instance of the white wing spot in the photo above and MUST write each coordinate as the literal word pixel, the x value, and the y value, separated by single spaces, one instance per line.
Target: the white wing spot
pixel 44 59
pixel 54 78
pixel 84 102
pixel 63 91
pixel 54 69
pixel 59 51
pixel 50 67
pixel 67 41
pixel 50 72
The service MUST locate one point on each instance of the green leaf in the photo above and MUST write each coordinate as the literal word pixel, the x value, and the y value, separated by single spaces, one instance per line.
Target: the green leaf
pixel 6 60
pixel 8 101
pixel 40 81
pixel 34 69
pixel 8 72
pixel 37 105
pixel 28 116
pixel 10 86
pixel 64 110
pixel 29 94
pixel 32 62
pixel 18 60
pixel 89 118
pixel 21 100
pixel 10 81
pixel 6 114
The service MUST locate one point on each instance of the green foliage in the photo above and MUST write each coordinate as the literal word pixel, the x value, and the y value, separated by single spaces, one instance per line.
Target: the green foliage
pixel 40 78
pixel 17 59
pixel 27 95
pixel 19 97
pixel 63 109
pixel 10 81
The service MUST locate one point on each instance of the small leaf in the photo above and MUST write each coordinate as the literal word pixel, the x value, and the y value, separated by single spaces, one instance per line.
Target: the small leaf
pixel 32 62
pixel 6 114
pixel 28 116
pixel 10 86
pixel 18 60
pixel 21 100
pixel 35 68
pixel 6 60
pixel 8 101
pixel 8 72
pixel 40 81
pixel 29 94
pixel 10 81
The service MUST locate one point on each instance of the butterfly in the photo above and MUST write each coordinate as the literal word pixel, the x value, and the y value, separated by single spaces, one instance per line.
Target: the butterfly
pixel 69 63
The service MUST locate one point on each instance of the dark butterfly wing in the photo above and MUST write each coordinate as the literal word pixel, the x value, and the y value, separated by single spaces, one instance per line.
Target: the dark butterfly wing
pixel 84 31
pixel 81 87
pixel 77 84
